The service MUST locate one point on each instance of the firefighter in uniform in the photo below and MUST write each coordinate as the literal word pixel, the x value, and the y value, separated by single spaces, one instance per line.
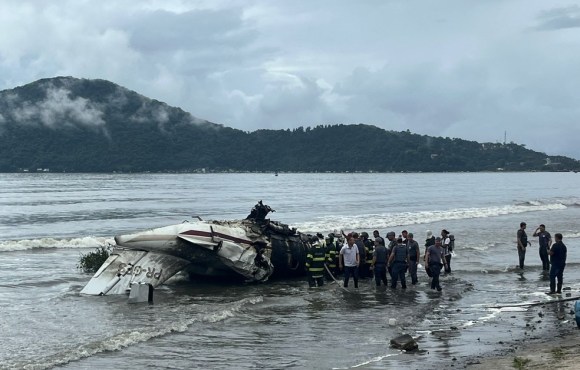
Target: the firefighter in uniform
pixel 369 250
pixel 331 256
pixel 315 260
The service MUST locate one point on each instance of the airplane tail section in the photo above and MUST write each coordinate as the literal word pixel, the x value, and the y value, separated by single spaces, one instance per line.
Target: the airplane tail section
pixel 126 267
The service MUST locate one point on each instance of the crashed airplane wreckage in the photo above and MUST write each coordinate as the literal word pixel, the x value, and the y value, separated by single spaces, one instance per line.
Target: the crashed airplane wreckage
pixel 250 250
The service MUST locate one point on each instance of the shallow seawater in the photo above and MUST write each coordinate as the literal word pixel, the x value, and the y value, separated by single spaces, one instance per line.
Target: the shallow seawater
pixel 48 220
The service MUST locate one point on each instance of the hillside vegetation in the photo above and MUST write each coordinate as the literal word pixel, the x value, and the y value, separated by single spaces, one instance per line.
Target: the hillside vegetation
pixel 66 124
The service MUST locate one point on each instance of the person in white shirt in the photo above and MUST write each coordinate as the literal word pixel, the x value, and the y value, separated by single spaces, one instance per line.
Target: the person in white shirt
pixel 349 260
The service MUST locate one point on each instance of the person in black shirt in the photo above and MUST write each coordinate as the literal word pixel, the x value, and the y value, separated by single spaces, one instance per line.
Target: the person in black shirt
pixel 399 262
pixel 435 260
pixel 558 254
pixel 377 235
pixel 414 255
pixel 430 240
pixel 522 243
pixel 545 241
pixel 380 258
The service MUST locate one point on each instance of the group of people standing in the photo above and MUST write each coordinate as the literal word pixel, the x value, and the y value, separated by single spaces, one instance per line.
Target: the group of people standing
pixel 356 255
pixel 553 256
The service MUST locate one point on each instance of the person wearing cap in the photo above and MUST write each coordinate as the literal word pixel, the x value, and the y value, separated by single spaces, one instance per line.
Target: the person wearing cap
pixel 379 264
pixel 434 261
pixel 414 255
pixel 545 241
pixel 523 242
pixel 399 261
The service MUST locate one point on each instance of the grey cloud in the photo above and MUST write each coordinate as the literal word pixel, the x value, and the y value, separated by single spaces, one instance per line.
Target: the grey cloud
pixel 59 109
pixel 283 99
pixel 254 64
pixel 149 110
pixel 159 113
pixel 288 102
pixel 423 98
pixel 118 98
pixel 466 103
pixel 559 18
pixel 196 42
pixel 473 101
pixel 162 31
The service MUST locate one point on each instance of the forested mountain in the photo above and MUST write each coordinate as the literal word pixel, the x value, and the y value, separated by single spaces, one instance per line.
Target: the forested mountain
pixel 66 124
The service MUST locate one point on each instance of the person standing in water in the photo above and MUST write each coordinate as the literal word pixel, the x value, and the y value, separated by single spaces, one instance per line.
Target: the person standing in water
pixel 350 259
pixel 392 244
pixel 446 249
pixel 379 264
pixel 399 262
pixel 429 240
pixel 414 255
pixel 315 260
pixel 522 243
pixel 435 260
pixel 558 254
pixel 545 242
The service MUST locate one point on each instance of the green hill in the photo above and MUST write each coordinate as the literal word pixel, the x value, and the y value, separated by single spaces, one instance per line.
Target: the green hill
pixel 66 124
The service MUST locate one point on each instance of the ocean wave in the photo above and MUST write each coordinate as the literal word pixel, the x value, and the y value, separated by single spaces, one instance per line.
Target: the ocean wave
pixel 329 223
pixel 569 201
pixel 25 244
pixel 386 220
pixel 123 340
pixel 231 311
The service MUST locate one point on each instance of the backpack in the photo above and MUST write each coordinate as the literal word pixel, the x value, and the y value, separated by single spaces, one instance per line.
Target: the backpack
pixel 451 242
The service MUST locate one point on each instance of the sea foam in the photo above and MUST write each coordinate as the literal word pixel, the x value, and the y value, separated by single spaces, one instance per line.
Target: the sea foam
pixel 83 242
pixel 386 220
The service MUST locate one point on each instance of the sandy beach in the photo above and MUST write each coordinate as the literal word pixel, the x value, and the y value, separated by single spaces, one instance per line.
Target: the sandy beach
pixel 551 341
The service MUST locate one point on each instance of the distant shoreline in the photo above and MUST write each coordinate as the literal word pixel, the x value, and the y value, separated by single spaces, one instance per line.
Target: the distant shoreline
pixel 274 172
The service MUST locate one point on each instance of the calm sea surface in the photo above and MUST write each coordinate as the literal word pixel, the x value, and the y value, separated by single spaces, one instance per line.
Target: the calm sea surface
pixel 48 220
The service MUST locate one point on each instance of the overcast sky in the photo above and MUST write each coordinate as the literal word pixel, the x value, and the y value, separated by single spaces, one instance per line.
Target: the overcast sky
pixel 469 69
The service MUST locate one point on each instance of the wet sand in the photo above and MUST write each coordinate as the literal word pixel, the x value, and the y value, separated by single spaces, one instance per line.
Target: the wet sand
pixel 551 340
